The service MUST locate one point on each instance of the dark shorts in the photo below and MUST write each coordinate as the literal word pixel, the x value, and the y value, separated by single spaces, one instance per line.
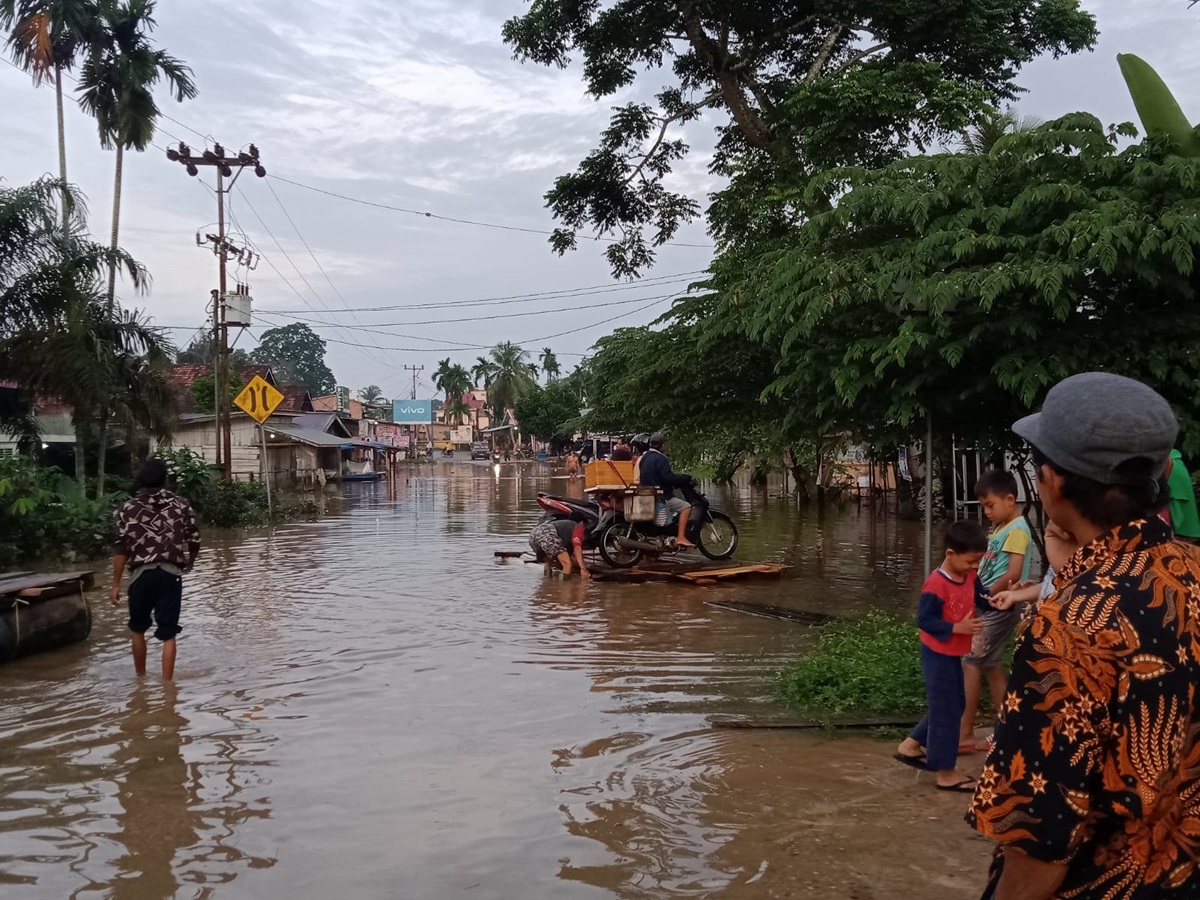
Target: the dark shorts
pixel 156 593
pixel 987 648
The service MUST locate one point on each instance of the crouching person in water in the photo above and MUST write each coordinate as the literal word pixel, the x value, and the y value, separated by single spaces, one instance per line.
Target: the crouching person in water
pixel 158 540
pixel 550 540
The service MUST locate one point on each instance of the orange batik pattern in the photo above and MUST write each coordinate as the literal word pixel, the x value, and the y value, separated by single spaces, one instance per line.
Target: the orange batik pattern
pixel 1097 756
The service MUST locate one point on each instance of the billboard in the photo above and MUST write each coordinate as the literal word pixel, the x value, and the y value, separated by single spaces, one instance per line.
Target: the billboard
pixel 412 412
pixel 462 434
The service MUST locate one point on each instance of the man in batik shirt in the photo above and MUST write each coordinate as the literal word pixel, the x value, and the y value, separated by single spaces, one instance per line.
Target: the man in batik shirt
pixel 1093 788
pixel 158 539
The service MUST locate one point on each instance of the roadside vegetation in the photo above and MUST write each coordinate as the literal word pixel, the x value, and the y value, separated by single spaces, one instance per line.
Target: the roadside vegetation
pixel 868 667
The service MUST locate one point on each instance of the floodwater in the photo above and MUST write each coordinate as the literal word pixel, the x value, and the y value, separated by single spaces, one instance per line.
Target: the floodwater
pixel 372 706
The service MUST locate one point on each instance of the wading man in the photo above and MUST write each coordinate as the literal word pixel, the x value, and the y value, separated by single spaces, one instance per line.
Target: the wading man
pixel 158 540
pixel 1093 787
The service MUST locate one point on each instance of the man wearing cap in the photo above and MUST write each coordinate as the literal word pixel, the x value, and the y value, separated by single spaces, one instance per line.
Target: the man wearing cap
pixel 1093 787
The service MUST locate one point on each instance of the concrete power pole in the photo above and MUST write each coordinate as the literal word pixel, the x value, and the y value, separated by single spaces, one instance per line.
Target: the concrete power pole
pixel 417 370
pixel 224 164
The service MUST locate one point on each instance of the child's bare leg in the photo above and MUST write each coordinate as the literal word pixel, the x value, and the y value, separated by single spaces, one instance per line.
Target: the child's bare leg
pixel 139 653
pixel 168 660
pixel 910 747
pixel 973 683
pixel 997 684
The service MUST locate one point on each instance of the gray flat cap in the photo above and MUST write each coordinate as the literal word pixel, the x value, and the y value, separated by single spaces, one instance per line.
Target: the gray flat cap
pixel 1091 423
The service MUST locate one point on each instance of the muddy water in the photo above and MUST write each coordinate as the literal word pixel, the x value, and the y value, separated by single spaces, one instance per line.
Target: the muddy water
pixel 371 706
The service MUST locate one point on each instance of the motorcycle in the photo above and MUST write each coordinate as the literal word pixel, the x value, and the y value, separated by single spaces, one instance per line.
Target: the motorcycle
pixel 595 516
pixel 622 543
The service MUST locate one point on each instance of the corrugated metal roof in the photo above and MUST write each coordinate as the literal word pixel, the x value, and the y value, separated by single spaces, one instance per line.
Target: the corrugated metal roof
pixel 310 436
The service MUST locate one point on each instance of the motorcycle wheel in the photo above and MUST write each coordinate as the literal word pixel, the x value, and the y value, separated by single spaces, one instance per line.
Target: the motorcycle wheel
pixel 614 554
pixel 718 536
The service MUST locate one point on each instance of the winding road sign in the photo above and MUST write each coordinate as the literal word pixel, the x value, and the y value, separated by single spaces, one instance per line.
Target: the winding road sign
pixel 258 399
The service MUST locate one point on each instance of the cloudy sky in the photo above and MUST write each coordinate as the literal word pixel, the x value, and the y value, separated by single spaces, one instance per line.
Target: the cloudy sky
pixel 418 104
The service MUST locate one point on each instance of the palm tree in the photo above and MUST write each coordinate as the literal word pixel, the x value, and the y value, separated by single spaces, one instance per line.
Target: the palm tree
pixel 457 412
pixel 452 378
pixel 116 84
pixel 550 364
pixel 483 371
pixel 512 377
pixel 58 335
pixel 991 127
pixel 371 395
pixel 45 36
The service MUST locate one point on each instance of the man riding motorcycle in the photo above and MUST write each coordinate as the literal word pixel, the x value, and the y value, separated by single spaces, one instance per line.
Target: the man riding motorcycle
pixel 655 471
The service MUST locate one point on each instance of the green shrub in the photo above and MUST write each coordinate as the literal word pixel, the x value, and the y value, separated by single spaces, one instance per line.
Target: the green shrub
pixel 867 666
pixel 44 515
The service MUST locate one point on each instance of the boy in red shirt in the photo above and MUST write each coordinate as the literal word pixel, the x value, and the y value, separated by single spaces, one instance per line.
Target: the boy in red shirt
pixel 946 615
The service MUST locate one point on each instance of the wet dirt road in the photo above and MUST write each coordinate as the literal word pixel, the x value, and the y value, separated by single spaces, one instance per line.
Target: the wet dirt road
pixel 371 706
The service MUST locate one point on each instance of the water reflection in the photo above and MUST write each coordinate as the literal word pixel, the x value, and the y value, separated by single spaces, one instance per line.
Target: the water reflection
pixel 371 705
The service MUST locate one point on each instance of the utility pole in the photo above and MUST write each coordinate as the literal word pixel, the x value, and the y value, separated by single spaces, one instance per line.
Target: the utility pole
pixel 224 164
pixel 417 370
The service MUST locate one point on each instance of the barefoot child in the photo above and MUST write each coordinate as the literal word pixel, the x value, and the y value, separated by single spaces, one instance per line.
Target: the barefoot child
pixel 946 615
pixel 1007 563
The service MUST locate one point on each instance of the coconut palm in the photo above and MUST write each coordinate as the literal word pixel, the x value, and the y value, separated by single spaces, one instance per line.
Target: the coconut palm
pixel 121 68
pixel 512 377
pixel 483 371
pixel 550 364
pixel 457 412
pixel 44 37
pixel 991 127
pixel 371 395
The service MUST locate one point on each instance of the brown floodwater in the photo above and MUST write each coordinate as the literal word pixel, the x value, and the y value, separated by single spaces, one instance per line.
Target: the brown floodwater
pixel 372 706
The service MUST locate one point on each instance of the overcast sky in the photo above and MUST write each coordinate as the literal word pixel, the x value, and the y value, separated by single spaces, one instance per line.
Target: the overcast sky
pixel 418 104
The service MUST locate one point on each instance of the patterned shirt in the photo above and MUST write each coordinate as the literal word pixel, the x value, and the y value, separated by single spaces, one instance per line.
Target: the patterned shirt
pixel 1097 757
pixel 157 527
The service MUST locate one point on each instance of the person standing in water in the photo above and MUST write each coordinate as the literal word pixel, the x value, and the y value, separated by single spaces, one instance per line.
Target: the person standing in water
pixel 157 539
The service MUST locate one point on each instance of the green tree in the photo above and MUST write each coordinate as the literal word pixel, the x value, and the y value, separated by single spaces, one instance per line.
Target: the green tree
pixel 58 335
pixel 116 83
pixel 549 413
pixel 482 372
pixel 966 285
pixel 549 364
pixel 452 379
pixel 204 392
pixel 202 350
pixel 512 376
pixel 800 87
pixel 44 36
pixel 296 353
pixel 991 126
pixel 457 412
pixel 372 395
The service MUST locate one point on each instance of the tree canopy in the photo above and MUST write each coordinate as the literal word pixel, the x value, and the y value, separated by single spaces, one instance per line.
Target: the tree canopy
pixel 804 84
pixel 296 353
pixel 550 413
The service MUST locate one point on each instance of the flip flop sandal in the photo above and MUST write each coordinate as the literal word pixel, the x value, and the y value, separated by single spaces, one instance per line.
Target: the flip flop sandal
pixel 967 748
pixel 966 786
pixel 917 762
pixel 986 745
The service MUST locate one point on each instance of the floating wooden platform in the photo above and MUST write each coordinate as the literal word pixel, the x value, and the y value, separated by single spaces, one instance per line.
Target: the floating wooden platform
pixel 509 554
pixel 800 616
pixel 703 574
pixel 42 611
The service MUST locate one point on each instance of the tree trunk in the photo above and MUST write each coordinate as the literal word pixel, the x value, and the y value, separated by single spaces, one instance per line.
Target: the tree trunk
pixel 116 226
pixel 80 451
pixel 102 453
pixel 62 146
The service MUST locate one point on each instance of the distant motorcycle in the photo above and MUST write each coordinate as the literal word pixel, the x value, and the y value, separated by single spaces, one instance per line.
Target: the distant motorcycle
pixel 623 543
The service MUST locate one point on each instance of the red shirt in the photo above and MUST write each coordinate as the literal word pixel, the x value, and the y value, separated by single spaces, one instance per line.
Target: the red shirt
pixel 944 602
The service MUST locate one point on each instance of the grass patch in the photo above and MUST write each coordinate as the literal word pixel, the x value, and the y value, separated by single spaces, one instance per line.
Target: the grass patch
pixel 868 666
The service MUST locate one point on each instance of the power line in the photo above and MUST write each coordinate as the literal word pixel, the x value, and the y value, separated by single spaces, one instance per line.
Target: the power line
pixel 429 215
pixel 565 293
pixel 517 315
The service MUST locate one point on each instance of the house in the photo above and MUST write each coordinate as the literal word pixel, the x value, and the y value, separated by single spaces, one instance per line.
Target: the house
pixel 183 376
pixel 53 418
pixel 329 403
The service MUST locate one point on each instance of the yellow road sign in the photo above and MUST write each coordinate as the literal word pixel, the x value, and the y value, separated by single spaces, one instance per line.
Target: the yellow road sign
pixel 259 399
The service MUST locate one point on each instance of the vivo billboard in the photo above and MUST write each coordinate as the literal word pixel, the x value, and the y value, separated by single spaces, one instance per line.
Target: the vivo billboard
pixel 412 412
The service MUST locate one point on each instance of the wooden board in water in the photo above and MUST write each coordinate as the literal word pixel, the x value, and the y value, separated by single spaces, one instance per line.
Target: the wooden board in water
pixel 773 612
pixel 34 586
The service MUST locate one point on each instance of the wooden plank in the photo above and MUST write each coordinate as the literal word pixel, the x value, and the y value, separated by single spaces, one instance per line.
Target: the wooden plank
pixel 839 722
pixel 733 572
pixel 13 576
pixel 509 554
pixel 29 582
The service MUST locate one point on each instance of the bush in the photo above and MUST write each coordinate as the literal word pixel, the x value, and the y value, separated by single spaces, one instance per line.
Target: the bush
pixel 238 505
pixel 45 515
pixel 868 666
